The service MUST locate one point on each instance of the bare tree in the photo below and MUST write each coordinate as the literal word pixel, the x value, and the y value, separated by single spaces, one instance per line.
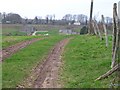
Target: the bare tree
pixel 53 16
pixel 68 17
pixel 75 17
pixel 36 20
pixel 4 17
pixel 81 18
pixel 12 18
pixel 0 17
pixel 47 19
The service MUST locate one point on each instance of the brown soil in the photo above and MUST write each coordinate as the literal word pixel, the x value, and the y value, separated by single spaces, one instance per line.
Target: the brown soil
pixel 14 48
pixel 45 74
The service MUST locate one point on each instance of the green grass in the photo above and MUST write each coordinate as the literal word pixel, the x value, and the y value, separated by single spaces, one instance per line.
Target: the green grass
pixel 54 31
pixel 18 66
pixel 15 35
pixel 86 58
pixel 0 75
pixel 41 33
pixel 12 30
pixel 11 40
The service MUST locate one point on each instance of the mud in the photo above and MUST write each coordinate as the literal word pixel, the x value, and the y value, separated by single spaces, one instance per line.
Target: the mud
pixel 45 74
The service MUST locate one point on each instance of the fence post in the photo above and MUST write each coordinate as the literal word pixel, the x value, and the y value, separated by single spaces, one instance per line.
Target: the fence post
pixel 116 41
pixel 98 30
pixel 105 30
pixel 114 37
pixel 90 22
pixel 95 31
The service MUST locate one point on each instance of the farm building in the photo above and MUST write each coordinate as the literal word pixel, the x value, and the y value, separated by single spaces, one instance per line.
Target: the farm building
pixel 76 23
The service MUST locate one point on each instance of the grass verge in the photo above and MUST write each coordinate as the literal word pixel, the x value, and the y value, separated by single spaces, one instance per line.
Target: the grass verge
pixel 85 59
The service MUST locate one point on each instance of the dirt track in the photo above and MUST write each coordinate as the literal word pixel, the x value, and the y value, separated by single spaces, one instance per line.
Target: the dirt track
pixel 14 48
pixel 45 74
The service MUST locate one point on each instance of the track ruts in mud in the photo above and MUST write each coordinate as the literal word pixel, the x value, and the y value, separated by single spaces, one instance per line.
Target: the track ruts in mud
pixel 45 74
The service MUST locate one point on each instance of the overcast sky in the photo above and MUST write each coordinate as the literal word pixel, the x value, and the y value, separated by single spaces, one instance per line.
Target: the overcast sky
pixel 32 8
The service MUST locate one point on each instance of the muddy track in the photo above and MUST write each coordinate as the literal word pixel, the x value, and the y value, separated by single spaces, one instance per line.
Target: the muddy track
pixel 7 52
pixel 45 74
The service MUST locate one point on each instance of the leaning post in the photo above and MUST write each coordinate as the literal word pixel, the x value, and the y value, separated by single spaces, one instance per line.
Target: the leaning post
pixel 105 30
pixel 119 41
pixel 114 36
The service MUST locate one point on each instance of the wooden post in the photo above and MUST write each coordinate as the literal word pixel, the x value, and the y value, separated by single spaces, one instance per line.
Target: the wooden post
pixel 119 30
pixel 90 22
pixel 119 41
pixel 116 41
pixel 94 27
pixel 114 36
pixel 119 55
pixel 115 49
pixel 98 30
pixel 105 30
pixel 119 10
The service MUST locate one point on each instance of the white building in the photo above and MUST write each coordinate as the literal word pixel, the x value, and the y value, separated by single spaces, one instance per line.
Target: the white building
pixel 76 23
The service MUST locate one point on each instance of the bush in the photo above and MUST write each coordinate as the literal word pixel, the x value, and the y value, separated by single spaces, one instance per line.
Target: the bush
pixel 84 30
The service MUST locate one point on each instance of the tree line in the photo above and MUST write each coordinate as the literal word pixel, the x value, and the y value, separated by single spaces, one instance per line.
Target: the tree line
pixel 13 18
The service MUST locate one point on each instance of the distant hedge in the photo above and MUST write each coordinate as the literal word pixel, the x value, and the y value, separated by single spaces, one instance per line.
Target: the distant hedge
pixel 84 30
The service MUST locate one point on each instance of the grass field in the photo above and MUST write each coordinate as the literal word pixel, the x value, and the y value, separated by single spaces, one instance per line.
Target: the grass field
pixel 16 29
pixel 86 58
pixel 17 67
pixel 12 30
pixel 16 33
pixel 11 40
